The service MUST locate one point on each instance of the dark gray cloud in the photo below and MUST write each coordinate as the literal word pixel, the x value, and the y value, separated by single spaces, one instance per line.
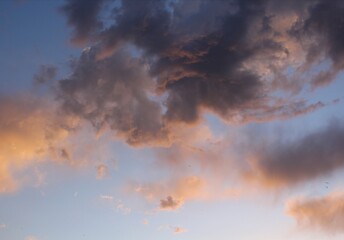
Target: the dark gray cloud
pixel 169 203
pixel 82 15
pixel 321 32
pixel 113 93
pixel 284 163
pixel 226 57
pixel 326 21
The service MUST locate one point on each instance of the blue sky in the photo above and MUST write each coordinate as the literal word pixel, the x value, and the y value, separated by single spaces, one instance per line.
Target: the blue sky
pixel 193 133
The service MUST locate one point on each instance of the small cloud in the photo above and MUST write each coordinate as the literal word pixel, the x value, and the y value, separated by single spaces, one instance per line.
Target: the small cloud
pixel 122 208
pixel 145 222
pixel 2 226
pixel 178 230
pixel 106 197
pixel 45 74
pixel 102 171
pixel 40 178
pixel 174 229
pixel 170 203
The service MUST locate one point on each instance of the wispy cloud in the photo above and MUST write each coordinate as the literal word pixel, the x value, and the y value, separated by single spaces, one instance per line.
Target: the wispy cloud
pixel 106 197
pixel 174 229
pixel 122 208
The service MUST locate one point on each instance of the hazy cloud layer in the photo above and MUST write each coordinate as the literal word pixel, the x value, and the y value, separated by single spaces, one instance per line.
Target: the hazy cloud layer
pixel 323 213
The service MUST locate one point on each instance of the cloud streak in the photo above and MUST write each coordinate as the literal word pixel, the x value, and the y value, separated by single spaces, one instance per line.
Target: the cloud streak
pixel 286 163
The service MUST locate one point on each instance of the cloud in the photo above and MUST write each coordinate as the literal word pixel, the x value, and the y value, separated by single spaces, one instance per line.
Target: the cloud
pixel 30 133
pixel 83 16
pixel 156 67
pixel 102 171
pixel 3 226
pixel 174 229
pixel 106 197
pixel 45 74
pixel 322 213
pixel 169 203
pixel 120 207
pixel 113 94
pixel 282 163
pixel 157 64
pixel 178 230
pixel 33 132
pixel 172 194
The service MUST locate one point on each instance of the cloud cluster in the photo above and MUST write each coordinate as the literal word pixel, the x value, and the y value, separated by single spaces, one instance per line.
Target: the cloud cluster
pixel 187 57
pixel 324 213
pixel 153 68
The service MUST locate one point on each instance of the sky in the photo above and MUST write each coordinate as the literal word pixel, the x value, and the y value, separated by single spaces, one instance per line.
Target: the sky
pixel 171 119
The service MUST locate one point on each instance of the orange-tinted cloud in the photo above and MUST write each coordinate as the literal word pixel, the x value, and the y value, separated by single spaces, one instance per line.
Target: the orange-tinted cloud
pixel 30 132
pixel 172 194
pixel 322 213
pixel 102 171
pixel 179 230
